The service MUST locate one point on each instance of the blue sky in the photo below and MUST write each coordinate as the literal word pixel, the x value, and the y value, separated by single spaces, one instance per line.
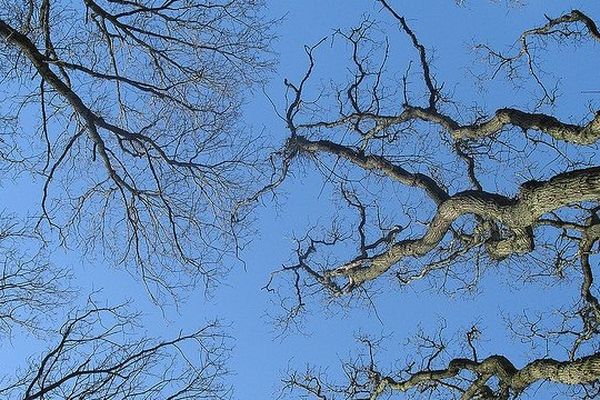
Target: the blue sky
pixel 260 353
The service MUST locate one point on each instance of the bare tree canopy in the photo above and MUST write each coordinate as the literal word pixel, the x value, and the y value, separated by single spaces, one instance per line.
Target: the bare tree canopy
pixel 434 190
pixel 124 118
pixel 31 288
pixel 100 356
pixel 130 112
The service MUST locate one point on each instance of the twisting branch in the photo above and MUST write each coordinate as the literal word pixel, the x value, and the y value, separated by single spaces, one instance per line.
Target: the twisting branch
pixel 512 381
pixel 477 190
pixel 519 215
pixel 504 223
pixel 372 162
pixel 590 236
pixel 585 134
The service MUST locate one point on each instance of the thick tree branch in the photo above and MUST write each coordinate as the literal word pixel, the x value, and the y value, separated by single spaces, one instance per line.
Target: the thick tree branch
pixel 511 380
pixel 517 214
pixel 550 28
pixel 577 134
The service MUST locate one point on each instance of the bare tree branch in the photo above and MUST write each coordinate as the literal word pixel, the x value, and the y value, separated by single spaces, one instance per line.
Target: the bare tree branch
pixel 99 355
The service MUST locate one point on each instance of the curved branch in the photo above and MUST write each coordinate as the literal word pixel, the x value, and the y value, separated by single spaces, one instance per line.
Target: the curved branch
pixel 518 215
pixel 573 16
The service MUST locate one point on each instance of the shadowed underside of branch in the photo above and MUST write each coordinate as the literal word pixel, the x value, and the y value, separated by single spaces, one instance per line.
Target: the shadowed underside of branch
pixel 584 134
pixel 512 381
pixel 381 149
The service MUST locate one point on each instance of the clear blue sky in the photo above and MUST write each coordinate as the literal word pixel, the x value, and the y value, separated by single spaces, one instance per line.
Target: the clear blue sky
pixel 260 356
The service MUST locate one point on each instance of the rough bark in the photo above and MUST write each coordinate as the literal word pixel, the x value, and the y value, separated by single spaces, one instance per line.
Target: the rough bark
pixel 511 379
pixel 503 118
